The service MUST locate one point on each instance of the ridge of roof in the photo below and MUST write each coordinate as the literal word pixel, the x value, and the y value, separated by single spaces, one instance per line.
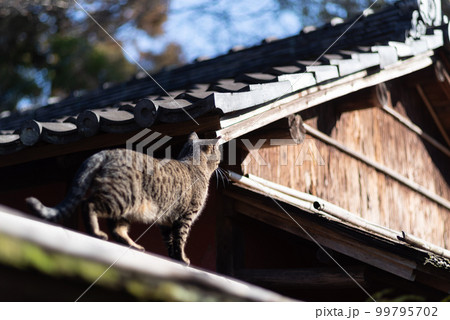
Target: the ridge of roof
pixel 54 243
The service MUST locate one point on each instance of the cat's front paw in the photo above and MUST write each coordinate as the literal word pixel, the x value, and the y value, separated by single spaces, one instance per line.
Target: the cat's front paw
pixel 101 235
pixel 138 247
pixel 186 261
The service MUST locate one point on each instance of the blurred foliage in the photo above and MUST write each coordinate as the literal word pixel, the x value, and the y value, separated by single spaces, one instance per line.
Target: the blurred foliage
pixel 391 295
pixel 52 47
pixel 76 64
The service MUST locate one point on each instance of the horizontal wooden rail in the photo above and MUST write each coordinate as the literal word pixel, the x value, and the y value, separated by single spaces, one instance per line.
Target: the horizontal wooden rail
pixel 413 127
pixel 433 113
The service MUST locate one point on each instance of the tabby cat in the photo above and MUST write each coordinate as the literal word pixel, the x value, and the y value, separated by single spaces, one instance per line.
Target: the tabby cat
pixel 127 186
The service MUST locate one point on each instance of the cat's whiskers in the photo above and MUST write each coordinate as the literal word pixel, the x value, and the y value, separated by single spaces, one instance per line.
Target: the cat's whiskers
pixel 217 178
pixel 223 174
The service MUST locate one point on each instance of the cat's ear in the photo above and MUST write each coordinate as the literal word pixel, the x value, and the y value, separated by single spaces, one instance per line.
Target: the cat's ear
pixel 193 136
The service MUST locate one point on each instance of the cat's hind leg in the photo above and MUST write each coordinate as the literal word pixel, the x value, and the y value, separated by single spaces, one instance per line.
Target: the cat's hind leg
pixel 120 232
pixel 166 233
pixel 91 221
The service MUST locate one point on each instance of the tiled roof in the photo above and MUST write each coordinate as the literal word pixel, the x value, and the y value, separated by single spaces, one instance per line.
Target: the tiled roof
pixel 242 80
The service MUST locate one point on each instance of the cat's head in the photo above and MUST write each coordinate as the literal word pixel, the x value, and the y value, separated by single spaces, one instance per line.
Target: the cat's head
pixel 204 152
pixel 211 150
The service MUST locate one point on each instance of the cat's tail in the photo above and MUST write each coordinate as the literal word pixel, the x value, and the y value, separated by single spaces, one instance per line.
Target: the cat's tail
pixel 78 189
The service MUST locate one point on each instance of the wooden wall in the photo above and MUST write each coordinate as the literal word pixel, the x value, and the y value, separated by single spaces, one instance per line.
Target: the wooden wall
pixel 359 123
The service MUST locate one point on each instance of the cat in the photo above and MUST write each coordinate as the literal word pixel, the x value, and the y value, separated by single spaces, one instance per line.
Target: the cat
pixel 127 186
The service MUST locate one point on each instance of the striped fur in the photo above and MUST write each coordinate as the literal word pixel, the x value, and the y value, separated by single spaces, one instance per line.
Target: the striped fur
pixel 126 186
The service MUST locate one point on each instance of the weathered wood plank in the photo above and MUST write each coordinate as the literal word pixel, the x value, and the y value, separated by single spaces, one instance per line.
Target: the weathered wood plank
pixel 358 188
pixel 382 168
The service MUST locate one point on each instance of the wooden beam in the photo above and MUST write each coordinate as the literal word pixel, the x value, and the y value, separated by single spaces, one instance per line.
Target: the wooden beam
pixel 433 113
pixel 326 237
pixel 286 131
pixel 304 278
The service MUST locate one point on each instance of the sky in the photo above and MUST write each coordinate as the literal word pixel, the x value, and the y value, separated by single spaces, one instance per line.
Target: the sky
pixel 246 23
pixel 249 23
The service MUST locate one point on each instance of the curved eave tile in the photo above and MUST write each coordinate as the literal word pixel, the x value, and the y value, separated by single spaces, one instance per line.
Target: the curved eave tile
pixel 145 112
pixel 286 69
pixel 299 81
pixel 195 95
pixel 258 95
pixel 10 143
pixel 388 55
pixel 434 40
pixel 228 85
pixel 324 72
pixel 180 110
pixel 33 131
pixel 256 78
pixel 111 120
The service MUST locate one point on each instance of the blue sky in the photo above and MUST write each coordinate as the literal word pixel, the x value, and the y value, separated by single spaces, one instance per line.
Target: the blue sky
pixel 199 34
pixel 222 24
pixel 249 23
